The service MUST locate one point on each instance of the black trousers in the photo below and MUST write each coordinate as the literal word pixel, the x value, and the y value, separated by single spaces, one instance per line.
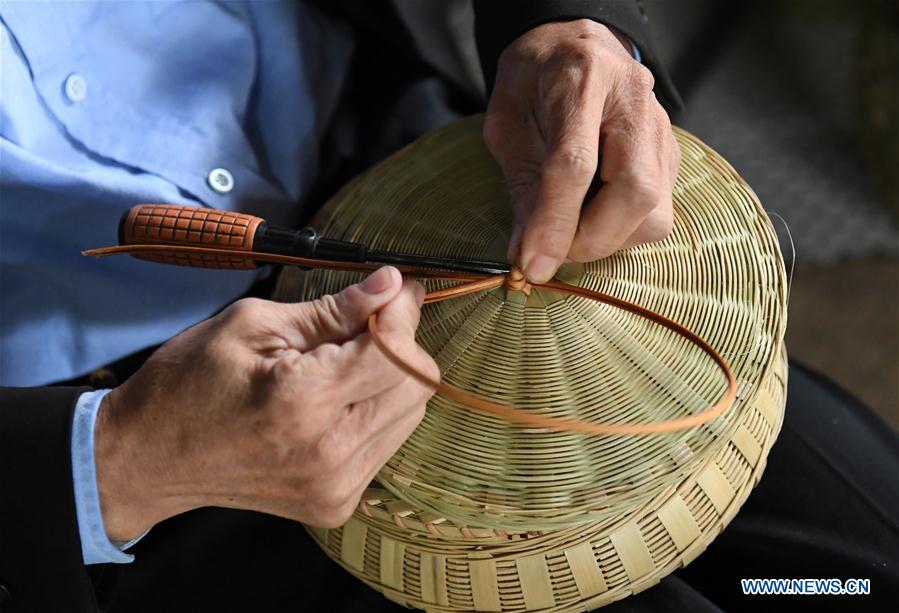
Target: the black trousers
pixel 827 507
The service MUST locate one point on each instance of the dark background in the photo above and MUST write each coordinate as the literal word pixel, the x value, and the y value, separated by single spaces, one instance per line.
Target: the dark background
pixel 802 98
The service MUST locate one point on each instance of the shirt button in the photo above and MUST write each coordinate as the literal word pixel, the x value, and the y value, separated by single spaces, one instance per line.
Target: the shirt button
pixel 220 180
pixel 76 87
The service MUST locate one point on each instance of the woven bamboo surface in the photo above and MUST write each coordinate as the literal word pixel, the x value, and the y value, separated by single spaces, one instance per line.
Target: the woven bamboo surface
pixel 389 545
pixel 477 513
pixel 719 273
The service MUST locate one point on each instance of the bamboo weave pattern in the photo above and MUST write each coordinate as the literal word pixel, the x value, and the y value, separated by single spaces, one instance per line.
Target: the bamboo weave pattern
pixel 476 513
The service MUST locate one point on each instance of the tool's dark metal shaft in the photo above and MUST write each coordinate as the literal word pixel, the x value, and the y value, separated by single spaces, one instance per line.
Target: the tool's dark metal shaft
pixel 404 259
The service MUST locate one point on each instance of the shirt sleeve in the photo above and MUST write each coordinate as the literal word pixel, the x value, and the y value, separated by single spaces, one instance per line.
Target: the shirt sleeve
pixel 96 548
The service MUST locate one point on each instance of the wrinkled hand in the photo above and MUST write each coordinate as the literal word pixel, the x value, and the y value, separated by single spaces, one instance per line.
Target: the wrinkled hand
pixel 288 409
pixel 569 99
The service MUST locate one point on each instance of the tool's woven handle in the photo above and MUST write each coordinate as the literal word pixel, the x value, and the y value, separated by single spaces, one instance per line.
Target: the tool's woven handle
pixel 169 224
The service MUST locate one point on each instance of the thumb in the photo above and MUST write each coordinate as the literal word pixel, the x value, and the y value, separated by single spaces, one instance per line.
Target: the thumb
pixel 400 316
pixel 339 317
pixel 397 323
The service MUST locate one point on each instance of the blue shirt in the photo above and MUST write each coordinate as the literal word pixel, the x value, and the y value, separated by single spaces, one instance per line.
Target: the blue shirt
pixel 104 105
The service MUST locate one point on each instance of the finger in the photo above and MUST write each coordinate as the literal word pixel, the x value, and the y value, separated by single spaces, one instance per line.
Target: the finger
pixel 358 369
pixel 515 140
pixel 572 120
pixel 398 319
pixel 367 421
pixel 657 226
pixel 364 465
pixel 380 449
pixel 336 318
pixel 350 372
pixel 396 324
pixel 660 222
pixel 634 171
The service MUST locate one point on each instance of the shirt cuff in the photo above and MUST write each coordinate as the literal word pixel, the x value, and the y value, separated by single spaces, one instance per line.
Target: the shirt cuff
pixel 96 548
pixel 635 51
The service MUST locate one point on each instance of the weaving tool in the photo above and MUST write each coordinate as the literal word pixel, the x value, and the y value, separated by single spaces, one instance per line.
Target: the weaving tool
pixel 210 238
pixel 176 230
pixel 477 512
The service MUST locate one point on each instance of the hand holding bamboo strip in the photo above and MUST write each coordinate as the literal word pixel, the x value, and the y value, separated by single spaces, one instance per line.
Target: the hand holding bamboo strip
pixel 515 281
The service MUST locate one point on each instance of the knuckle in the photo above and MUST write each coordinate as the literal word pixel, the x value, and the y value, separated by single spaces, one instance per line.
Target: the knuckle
pixel 645 195
pixel 335 502
pixel 661 224
pixel 576 158
pixel 322 365
pixel 329 520
pixel 587 251
pixel 665 227
pixel 587 28
pixel 579 56
pixel 676 154
pixel 331 456
pixel 285 375
pixel 658 227
pixel 523 179
pixel 518 52
pixel 244 309
pixel 570 65
pixel 641 77
pixel 585 48
pixel 341 493
pixel 418 411
pixel 328 354
pixel 327 312
pixel 336 507
pixel 664 122
pixel 565 81
pixel 343 514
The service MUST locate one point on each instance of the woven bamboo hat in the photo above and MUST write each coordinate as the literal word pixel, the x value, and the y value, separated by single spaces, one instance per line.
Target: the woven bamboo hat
pixel 477 513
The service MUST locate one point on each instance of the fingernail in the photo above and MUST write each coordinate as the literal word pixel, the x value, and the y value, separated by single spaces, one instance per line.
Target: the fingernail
pixel 379 281
pixel 541 268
